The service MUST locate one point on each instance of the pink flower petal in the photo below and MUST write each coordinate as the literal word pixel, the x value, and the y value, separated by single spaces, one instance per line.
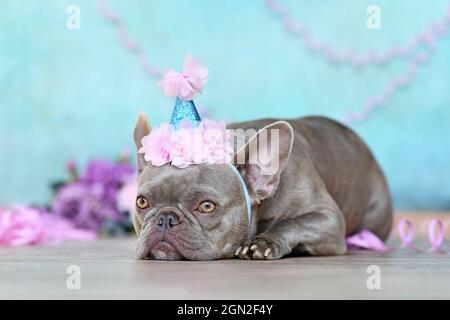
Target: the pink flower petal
pixel 20 226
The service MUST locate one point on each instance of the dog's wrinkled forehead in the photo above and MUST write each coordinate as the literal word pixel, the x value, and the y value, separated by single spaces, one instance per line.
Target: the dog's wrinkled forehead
pixel 171 184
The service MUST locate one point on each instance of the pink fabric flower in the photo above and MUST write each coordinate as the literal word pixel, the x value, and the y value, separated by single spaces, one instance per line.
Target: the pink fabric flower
pixel 156 146
pixel 21 225
pixel 208 142
pixel 186 84
pixel 181 154
pixel 216 140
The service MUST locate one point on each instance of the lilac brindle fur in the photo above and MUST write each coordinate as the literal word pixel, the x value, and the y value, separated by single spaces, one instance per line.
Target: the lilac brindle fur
pixel 328 186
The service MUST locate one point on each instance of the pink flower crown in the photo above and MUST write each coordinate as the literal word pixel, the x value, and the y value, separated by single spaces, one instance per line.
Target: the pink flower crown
pixel 187 139
pixel 205 142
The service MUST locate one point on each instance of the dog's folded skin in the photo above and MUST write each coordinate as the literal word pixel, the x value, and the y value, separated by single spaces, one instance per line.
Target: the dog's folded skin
pixel 327 186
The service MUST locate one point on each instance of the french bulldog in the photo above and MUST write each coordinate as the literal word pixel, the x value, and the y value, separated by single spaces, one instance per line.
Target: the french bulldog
pixel 327 186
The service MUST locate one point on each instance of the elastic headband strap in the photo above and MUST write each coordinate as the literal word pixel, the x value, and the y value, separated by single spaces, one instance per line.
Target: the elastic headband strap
pixel 247 199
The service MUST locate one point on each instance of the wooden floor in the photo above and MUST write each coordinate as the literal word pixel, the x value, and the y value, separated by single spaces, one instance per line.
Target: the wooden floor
pixel 109 271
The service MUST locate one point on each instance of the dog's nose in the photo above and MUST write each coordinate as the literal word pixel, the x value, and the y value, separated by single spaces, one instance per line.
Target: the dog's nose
pixel 168 219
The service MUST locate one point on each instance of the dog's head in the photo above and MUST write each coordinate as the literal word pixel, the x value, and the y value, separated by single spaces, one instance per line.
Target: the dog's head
pixel 199 212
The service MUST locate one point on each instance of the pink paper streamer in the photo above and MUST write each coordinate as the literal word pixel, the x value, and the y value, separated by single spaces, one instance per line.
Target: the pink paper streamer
pixel 436 238
pixel 365 239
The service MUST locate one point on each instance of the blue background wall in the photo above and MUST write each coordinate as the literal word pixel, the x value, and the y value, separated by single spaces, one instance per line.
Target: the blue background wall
pixel 74 94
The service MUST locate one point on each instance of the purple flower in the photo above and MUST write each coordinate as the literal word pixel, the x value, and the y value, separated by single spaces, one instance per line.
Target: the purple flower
pixel 107 173
pixel 84 204
pixel 91 202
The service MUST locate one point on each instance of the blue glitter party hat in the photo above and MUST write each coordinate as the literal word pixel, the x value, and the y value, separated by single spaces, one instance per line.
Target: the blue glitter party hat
pixel 184 110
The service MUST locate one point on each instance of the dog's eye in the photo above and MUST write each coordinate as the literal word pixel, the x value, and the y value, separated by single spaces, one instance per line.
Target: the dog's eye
pixel 206 207
pixel 142 203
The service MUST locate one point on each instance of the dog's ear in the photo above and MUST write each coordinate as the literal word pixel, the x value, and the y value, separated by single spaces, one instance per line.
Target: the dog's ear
pixel 141 129
pixel 262 159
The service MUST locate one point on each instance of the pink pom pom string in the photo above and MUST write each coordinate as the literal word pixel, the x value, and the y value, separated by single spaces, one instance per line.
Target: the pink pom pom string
pixel 434 31
pixel 151 70
pixel 425 40
pixel 126 41
pixel 390 89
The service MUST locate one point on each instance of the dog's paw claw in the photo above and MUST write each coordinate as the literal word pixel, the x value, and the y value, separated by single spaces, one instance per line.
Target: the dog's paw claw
pixel 257 255
pixel 258 249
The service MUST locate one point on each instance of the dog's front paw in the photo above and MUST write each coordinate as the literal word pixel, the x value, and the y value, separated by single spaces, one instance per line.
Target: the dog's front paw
pixel 259 249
